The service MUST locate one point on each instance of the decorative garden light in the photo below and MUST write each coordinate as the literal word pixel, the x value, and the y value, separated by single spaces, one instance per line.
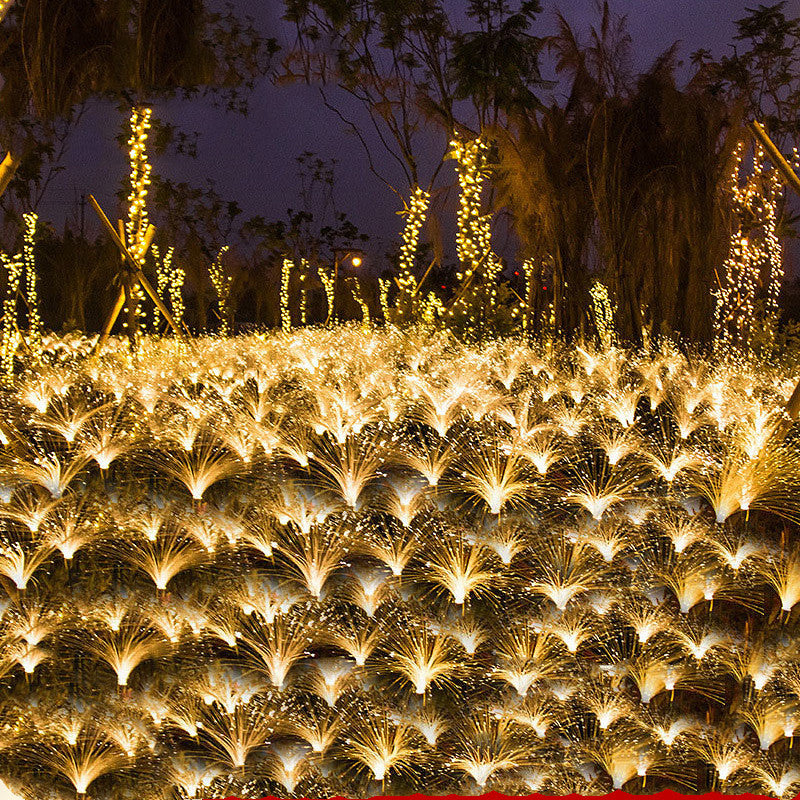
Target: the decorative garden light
pixel 755 261
pixel 137 223
pixel 479 265
pixel 400 553
pixel 286 314
pixel 603 314
pixel 31 294
pixel 14 266
pixel 415 213
pixel 222 287
pixel 170 284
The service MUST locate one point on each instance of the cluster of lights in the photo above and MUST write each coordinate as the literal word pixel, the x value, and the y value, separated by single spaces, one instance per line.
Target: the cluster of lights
pixel 286 313
pixel 432 309
pixel 14 266
pixel 328 281
pixel 222 287
pixel 170 279
pixel 177 278
pixel 305 270
pixel 415 213
pixel 137 223
pixel 135 229
pixel 754 265
pixel 31 295
pixel 530 272
pixel 384 285
pixel 135 300
pixel 346 560
pixel 17 266
pixel 474 234
pixel 362 303
pixel 603 313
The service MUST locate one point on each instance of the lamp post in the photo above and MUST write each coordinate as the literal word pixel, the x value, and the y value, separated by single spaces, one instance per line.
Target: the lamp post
pixel 340 255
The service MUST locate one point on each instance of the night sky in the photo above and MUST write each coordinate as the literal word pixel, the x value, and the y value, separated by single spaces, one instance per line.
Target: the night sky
pixel 252 158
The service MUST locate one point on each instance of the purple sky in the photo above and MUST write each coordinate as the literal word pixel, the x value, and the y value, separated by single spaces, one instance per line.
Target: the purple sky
pixel 252 159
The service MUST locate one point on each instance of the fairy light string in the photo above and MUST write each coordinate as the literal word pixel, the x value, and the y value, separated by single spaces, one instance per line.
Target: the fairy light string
pixel 31 291
pixel 415 213
pixel 222 284
pixel 750 279
pixel 603 314
pixel 14 268
pixel 286 500
pixel 286 313
pixel 479 268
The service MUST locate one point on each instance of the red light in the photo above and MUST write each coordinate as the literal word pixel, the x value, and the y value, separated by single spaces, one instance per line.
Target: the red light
pixel 516 273
pixel 443 286
pixel 544 287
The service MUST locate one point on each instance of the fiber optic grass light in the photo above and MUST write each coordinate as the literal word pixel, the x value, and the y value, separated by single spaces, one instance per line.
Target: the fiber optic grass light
pixel 348 562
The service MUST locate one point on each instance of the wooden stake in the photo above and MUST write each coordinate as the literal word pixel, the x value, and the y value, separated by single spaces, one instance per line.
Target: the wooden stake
pixel 110 322
pixel 422 279
pixel 8 168
pixel 135 269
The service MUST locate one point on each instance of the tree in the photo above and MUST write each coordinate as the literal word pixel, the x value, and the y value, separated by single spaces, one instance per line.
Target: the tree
pixel 392 58
pixel 54 55
pixel 763 72
pixel 542 180
pixel 497 66
pixel 659 164
pixel 407 65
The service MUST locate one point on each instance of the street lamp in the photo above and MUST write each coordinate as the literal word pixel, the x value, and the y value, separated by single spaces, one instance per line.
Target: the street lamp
pixel 340 256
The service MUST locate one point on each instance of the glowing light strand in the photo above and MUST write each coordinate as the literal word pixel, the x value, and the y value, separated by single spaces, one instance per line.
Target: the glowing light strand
pixel 31 294
pixel 754 266
pixel 136 225
pixel 603 314
pixel 286 313
pixel 473 237
pixel 222 287
pixel 415 212
pixel 14 267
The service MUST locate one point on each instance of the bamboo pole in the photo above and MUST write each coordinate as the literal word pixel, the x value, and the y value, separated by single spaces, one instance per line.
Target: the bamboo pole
pixel 135 269
pixel 8 168
pixel 5 5
pixel 110 322
pixel 781 164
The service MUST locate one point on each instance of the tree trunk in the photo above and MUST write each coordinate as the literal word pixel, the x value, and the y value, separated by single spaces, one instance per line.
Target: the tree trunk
pixel 8 168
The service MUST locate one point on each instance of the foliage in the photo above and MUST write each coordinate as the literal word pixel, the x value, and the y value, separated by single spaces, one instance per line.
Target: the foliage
pixel 764 69
pixel 624 180
pixel 54 56
pixel 497 66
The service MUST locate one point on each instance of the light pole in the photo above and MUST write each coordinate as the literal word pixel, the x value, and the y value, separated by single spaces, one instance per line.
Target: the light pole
pixel 339 255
